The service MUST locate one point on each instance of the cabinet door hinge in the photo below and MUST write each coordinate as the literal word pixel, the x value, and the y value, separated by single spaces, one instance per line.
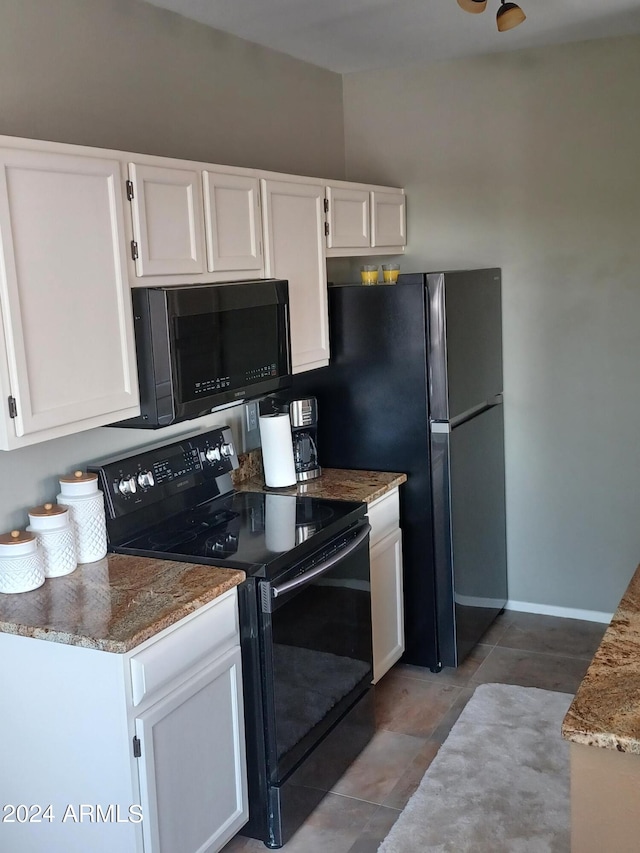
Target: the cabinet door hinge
pixel 326 229
pixel 134 250
pixel 326 205
pixel 129 190
pixel 137 747
pixel 13 407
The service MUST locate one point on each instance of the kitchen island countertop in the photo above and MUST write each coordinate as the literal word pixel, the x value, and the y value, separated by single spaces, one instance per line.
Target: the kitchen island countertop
pixel 115 603
pixel 336 484
pixel 606 709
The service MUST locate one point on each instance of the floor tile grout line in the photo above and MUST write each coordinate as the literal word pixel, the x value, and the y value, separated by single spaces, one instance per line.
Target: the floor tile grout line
pixel 350 797
pixel 546 654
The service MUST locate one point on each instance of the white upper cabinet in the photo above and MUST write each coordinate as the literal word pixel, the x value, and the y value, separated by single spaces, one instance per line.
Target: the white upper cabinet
pixel 388 219
pixel 364 220
pixel 79 226
pixel 166 206
pixel 193 224
pixel 232 222
pixel 67 359
pixel 293 219
pixel 348 218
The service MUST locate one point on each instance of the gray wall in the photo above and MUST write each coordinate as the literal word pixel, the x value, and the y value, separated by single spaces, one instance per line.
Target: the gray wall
pixel 122 74
pixel 529 161
pixel 127 75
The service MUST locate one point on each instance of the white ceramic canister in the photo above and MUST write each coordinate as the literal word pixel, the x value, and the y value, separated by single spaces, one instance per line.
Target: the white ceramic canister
pixel 21 567
pixel 52 525
pixel 79 491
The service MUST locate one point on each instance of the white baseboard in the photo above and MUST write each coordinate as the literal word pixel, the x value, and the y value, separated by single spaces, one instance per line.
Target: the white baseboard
pixel 565 612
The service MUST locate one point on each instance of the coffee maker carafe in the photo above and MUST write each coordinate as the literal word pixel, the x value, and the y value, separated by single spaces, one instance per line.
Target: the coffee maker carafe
pixel 304 434
pixel 303 414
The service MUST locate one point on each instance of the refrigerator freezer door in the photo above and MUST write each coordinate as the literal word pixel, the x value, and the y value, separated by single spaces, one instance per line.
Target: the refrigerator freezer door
pixel 469 530
pixel 465 342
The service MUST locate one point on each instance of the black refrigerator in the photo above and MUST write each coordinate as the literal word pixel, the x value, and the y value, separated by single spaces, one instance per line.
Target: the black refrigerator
pixel 415 386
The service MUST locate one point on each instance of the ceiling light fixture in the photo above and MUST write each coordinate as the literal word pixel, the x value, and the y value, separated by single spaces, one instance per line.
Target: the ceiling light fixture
pixel 473 6
pixel 509 14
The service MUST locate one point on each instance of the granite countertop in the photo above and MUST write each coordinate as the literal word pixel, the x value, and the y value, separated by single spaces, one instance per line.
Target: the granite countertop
pixel 336 484
pixel 114 604
pixel 606 709
pixel 119 602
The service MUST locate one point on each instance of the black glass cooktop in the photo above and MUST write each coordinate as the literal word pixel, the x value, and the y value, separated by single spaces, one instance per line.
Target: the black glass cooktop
pixel 257 532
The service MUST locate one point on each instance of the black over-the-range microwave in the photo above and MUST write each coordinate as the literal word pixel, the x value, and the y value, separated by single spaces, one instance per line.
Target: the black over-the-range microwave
pixel 202 347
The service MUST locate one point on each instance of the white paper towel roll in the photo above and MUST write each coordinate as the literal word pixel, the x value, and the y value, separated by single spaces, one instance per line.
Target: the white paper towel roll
pixel 277 450
pixel 280 522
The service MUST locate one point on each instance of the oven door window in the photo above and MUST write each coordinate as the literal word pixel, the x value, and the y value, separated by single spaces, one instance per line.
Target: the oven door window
pixel 318 648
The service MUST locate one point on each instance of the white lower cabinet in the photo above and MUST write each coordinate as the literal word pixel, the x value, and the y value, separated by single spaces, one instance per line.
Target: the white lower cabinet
pixel 192 762
pixel 140 752
pixel 387 607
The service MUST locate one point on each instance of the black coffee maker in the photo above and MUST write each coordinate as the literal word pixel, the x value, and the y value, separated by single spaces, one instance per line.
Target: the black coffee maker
pixel 303 414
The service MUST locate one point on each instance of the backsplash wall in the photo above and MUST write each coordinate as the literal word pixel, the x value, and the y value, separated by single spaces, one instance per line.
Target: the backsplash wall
pixel 30 475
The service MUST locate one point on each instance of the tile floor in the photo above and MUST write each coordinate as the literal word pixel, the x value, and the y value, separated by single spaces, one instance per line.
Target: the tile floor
pixel 415 710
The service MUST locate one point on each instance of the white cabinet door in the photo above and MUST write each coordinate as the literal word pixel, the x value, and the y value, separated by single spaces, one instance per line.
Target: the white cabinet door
pixel 348 217
pixel 387 607
pixel 192 763
pixel 232 222
pixel 387 603
pixel 66 306
pixel 167 220
pixel 388 219
pixel 294 250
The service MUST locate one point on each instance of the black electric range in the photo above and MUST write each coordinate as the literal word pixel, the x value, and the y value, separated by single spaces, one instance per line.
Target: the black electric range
pixel 177 501
pixel 304 608
pixel 259 533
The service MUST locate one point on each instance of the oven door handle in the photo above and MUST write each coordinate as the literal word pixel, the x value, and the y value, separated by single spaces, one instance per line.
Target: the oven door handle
pixel 323 567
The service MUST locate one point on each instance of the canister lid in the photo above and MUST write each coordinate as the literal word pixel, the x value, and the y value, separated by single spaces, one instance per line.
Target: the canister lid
pixel 47 510
pixel 80 484
pixel 16 537
pixel 79 477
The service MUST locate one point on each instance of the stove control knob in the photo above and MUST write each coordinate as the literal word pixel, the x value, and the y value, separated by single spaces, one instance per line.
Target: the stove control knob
pixel 145 479
pixel 213 454
pixel 127 485
pixel 227 449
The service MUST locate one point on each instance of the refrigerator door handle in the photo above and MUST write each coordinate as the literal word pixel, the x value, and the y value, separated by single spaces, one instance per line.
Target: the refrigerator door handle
pixel 438 427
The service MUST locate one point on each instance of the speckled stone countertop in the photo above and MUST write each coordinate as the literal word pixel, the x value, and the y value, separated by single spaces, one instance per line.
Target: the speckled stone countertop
pixel 606 709
pixel 336 484
pixel 119 602
pixel 114 604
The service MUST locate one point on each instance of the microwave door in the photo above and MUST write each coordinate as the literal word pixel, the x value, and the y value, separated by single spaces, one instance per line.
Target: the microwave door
pixel 206 347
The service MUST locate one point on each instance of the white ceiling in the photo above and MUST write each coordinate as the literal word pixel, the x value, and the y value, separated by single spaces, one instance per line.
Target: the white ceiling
pixel 358 35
